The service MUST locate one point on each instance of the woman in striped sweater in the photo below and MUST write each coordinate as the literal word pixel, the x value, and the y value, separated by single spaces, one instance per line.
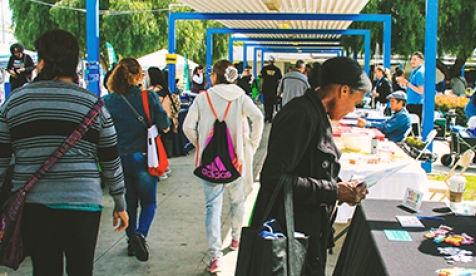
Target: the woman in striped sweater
pixel 63 209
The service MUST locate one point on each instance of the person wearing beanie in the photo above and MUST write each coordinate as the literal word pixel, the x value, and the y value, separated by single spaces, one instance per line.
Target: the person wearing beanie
pixel 395 128
pixel 301 146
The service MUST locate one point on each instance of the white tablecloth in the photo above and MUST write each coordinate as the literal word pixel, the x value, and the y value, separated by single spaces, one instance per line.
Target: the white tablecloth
pixel 392 187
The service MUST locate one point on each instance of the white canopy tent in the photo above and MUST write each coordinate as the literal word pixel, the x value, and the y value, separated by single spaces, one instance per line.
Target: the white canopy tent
pixel 157 59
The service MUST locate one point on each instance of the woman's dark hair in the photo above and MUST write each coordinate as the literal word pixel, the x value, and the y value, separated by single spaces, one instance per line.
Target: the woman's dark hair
pixel 315 76
pixel 59 51
pixel 123 75
pixel 165 72
pixel 220 69
pixel 195 71
pixel 17 47
pixel 156 77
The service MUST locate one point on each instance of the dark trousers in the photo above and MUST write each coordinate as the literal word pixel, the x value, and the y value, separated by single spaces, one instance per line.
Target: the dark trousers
pixel 418 110
pixel 269 102
pixel 50 234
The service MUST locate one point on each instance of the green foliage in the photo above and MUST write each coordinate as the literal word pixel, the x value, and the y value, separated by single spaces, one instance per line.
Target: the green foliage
pixel 132 35
pixel 456 25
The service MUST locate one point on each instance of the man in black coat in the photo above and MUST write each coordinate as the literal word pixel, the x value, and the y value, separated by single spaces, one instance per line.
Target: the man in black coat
pixel 301 145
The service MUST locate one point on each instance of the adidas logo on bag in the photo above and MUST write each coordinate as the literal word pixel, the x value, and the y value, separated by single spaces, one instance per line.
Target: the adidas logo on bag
pixel 216 170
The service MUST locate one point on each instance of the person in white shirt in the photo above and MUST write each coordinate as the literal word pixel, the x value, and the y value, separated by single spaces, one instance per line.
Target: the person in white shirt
pixel 198 81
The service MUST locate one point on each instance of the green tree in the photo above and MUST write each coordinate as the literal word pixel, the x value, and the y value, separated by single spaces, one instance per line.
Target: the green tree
pixel 132 35
pixel 456 29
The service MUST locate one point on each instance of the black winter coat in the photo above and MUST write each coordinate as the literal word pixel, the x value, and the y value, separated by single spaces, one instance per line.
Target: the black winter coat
pixel 384 88
pixel 301 145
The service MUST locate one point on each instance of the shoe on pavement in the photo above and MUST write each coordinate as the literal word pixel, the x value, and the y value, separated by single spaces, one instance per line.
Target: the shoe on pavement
pixel 234 245
pixel 130 251
pixel 164 176
pixel 138 244
pixel 215 265
pixel 168 170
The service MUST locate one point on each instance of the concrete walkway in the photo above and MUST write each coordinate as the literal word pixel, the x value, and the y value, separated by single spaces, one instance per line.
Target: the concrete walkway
pixel 177 240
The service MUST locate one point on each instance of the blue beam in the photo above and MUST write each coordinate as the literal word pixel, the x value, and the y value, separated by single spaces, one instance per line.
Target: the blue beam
pixel 282 16
pixel 92 39
pixel 430 71
pixel 366 33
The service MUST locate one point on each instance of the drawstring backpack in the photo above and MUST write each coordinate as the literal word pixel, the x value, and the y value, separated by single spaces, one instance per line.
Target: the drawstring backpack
pixel 219 163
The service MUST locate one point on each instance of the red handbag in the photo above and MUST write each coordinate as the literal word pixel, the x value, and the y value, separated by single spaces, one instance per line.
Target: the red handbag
pixel 154 168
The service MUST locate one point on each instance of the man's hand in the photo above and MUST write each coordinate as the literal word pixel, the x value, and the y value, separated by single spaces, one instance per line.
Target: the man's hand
pixel 361 122
pixel 121 220
pixel 402 81
pixel 352 192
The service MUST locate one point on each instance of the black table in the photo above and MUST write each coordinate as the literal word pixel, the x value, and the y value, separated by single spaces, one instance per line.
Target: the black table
pixel 366 250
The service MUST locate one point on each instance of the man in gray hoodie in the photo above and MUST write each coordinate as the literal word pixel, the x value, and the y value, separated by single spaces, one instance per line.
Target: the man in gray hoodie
pixel 294 83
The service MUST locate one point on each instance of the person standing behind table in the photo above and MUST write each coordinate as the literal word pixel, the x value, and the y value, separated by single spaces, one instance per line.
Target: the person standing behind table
pixel 170 103
pixel 382 87
pixel 458 84
pixel 198 79
pixel 62 213
pixel 294 84
pixel 415 86
pixel 395 85
pixel 301 145
pixel 270 78
pixel 397 126
pixel 197 126
pixel 141 187
pixel 20 66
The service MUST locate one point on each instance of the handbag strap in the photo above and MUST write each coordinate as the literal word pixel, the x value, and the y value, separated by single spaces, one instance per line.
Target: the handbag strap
pixel 213 109
pixel 139 117
pixel 285 184
pixel 145 103
pixel 68 143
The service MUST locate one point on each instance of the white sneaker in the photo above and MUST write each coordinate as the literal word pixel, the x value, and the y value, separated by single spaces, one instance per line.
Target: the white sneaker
pixel 168 170
pixel 164 176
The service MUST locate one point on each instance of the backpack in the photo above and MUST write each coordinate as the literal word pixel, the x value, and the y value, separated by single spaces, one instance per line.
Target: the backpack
pixel 219 163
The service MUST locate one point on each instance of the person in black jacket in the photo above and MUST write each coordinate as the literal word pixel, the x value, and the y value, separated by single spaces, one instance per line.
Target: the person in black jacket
pixel 20 66
pixel 382 85
pixel 301 145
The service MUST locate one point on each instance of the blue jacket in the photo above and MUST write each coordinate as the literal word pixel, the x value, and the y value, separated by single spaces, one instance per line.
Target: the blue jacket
pixel 395 127
pixel 470 109
pixel 131 133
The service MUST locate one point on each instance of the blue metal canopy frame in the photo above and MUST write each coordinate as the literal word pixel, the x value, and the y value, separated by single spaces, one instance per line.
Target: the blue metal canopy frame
pixel 365 33
pixel 384 18
pixel 280 49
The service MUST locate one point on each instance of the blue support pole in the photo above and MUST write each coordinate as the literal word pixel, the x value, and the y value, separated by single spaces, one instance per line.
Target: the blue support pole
pixel 367 55
pixel 92 39
pixel 430 72
pixel 262 61
pixel 230 51
pixel 255 57
pixel 387 41
pixel 245 55
pixel 462 69
pixel 172 46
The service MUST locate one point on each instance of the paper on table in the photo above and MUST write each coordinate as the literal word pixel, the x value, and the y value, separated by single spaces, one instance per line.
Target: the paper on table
pixel 373 178
pixel 409 221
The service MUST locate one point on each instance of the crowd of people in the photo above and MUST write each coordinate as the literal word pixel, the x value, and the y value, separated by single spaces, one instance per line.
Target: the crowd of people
pixel 300 105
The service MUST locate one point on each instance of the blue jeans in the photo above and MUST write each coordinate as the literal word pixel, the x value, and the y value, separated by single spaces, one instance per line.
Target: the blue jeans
pixel 214 202
pixel 141 188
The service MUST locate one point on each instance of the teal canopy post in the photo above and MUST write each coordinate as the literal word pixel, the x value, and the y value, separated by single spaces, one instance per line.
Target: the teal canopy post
pixel 430 72
pixel 92 73
pixel 366 33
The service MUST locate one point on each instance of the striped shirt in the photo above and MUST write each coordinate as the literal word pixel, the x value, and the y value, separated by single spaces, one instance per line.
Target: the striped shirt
pixel 34 122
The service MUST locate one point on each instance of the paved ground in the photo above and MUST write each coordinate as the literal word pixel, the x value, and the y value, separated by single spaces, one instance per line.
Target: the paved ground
pixel 177 237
